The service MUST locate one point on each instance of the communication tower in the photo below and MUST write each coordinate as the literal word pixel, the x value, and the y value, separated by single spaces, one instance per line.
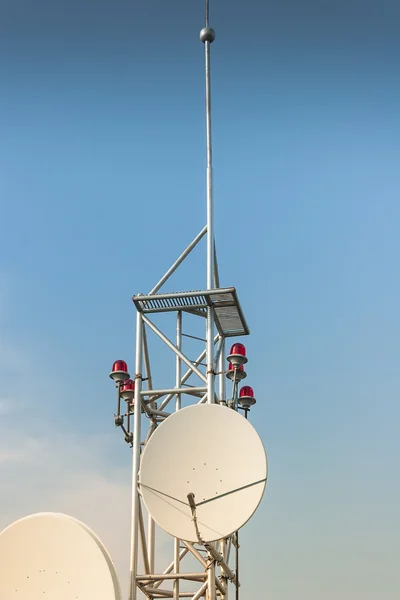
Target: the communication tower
pixel 167 446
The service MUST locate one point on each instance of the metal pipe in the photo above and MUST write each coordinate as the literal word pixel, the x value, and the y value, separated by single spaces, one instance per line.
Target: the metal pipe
pixel 118 399
pixel 237 565
pixel 228 551
pixel 210 212
pixel 218 584
pixel 170 567
pixel 218 353
pixel 201 591
pixel 128 418
pixel 136 458
pixel 143 540
pixel 194 337
pixel 151 536
pixel 182 554
pixel 178 359
pixel 178 378
pixel 186 375
pixel 147 367
pixel 222 378
pixel 195 553
pixel 223 576
pixel 210 222
pixel 216 270
pixel 164 593
pixel 220 560
pixel 174 349
pixel 158 413
pixel 165 576
pixel 156 592
pixel 174 391
pixel 235 388
pixel 210 355
pixel 176 264
pixel 212 592
pixel 151 529
pixel 147 360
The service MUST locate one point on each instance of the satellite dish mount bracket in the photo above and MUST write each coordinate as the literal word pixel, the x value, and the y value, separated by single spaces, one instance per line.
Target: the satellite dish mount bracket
pixel 192 505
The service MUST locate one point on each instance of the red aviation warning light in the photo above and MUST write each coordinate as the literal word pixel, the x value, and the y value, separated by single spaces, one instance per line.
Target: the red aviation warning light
pixel 239 373
pixel 237 355
pixel 128 390
pixel 119 371
pixel 246 397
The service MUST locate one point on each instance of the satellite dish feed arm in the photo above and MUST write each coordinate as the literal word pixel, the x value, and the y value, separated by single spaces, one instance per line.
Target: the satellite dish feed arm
pixel 239 489
pixel 219 559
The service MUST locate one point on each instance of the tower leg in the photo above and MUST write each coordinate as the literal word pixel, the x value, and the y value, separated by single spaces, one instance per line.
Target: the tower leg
pixel 136 458
pixel 211 591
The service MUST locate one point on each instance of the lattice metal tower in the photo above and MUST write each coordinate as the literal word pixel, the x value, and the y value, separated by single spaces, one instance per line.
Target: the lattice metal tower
pixel 217 563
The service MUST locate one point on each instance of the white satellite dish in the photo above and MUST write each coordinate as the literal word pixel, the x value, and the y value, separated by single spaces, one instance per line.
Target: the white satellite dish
pixel 212 452
pixel 50 555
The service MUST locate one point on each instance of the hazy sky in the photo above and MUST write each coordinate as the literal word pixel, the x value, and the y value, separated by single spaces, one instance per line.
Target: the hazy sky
pixel 102 185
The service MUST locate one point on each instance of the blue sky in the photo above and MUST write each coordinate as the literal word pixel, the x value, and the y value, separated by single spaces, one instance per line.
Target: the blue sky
pixel 102 185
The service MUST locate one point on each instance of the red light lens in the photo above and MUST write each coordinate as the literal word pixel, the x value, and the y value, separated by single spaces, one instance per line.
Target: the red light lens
pixel 246 391
pixel 238 349
pixel 120 365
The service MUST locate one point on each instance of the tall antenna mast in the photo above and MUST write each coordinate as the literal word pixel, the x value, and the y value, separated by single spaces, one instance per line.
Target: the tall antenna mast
pixel 207 36
pixel 164 489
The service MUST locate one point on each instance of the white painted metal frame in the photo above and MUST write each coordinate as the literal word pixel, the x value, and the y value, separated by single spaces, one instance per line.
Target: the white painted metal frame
pixel 214 571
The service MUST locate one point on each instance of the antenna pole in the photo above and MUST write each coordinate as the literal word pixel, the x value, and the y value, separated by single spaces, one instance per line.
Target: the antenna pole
pixel 207 36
